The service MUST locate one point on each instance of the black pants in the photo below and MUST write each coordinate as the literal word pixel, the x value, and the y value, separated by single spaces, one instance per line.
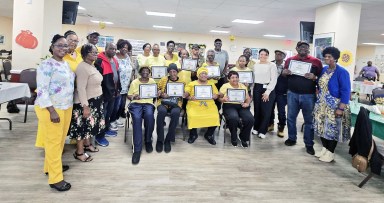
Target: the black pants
pixel 262 110
pixel 161 114
pixel 280 102
pixel 329 144
pixel 209 133
pixel 232 114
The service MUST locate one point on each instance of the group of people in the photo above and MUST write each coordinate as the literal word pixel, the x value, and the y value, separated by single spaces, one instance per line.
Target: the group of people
pixel 82 93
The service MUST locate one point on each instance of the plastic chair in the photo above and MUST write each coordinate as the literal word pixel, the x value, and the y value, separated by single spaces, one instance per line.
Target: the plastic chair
pixel 29 76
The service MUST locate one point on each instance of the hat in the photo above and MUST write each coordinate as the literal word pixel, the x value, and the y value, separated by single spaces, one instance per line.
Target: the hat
pixel 172 66
pixel 302 42
pixel 195 46
pixel 279 51
pixel 93 32
pixel 200 70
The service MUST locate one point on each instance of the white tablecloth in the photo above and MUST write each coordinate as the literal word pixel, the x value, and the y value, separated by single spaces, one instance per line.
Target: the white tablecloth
pixel 362 88
pixel 10 91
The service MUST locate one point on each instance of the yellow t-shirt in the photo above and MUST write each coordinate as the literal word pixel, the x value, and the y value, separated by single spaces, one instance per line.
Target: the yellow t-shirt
pixel 134 89
pixel 99 49
pixel 162 85
pixel 237 69
pixel 184 75
pixel 141 60
pixel 250 64
pixel 174 59
pixel 155 61
pixel 227 86
pixel 206 65
pixel 73 63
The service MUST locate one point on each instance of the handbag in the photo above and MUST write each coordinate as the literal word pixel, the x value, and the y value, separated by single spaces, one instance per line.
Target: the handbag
pixel 361 162
pixel 171 101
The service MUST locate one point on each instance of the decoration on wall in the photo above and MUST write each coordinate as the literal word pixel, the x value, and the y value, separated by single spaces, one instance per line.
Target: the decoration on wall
pixel 103 40
pixel 137 46
pixel 255 52
pixel 346 58
pixel 26 39
pixel 102 25
pixel 179 46
pixel 232 37
pixel 2 39
pixel 322 41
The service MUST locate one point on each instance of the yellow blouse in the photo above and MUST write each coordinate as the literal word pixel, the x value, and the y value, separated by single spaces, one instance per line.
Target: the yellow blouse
pixel 134 89
pixel 73 62
pixel 227 86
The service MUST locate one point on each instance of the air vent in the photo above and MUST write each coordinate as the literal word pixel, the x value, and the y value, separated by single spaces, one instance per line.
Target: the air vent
pixel 224 26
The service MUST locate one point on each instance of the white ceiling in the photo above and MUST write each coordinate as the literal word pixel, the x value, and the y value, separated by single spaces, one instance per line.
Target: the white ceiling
pixel 280 17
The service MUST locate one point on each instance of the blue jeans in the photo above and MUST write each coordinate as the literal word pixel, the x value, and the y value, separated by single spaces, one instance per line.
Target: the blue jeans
pixel 280 102
pixel 108 108
pixel 116 107
pixel 139 112
pixel 305 102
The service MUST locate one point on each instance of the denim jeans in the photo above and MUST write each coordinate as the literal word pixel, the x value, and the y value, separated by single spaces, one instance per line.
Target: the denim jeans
pixel 108 109
pixel 116 107
pixel 161 114
pixel 280 102
pixel 139 112
pixel 305 102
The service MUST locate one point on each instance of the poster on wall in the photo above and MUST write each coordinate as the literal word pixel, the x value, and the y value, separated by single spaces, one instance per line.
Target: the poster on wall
pixel 137 46
pixel 103 40
pixel 179 46
pixel 322 41
pixel 255 52
pixel 1 39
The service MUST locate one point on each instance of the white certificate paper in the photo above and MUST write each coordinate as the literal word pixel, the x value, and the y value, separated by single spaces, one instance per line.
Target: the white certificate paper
pixel 213 71
pixel 147 91
pixel 245 76
pixel 189 64
pixel 159 71
pixel 236 95
pixel 203 92
pixel 175 89
pixel 299 67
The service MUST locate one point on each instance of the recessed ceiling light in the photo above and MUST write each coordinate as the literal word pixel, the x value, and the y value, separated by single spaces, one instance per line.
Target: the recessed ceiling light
pixel 80 8
pixel 382 34
pixel 219 31
pixel 277 36
pixel 372 43
pixel 150 13
pixel 162 27
pixel 247 21
pixel 97 21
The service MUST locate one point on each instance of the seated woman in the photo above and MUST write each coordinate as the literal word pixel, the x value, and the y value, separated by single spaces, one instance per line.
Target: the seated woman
pixel 201 113
pixel 163 108
pixel 332 115
pixel 233 111
pixel 141 109
pixel 87 116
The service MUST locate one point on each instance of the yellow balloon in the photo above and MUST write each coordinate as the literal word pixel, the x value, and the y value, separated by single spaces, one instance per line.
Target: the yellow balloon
pixel 346 58
pixel 101 25
pixel 231 37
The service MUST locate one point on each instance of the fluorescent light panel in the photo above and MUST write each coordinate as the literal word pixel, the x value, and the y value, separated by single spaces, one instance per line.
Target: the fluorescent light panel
pixel 219 31
pixel 97 21
pixel 162 27
pixel 373 43
pixel 150 13
pixel 80 8
pixel 276 36
pixel 255 22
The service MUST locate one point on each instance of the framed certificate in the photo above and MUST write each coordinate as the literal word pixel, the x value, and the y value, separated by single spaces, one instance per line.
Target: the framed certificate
pixel 245 76
pixel 159 71
pixel 147 91
pixel 299 67
pixel 189 64
pixel 213 71
pixel 175 89
pixel 203 92
pixel 236 95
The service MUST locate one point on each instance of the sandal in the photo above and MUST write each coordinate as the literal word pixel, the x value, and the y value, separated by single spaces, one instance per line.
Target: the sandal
pixel 61 186
pixel 87 159
pixel 88 148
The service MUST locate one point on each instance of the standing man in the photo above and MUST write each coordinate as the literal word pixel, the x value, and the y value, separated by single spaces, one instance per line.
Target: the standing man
pixel 301 95
pixel 108 66
pixel 370 72
pixel 93 38
pixel 281 95
pixel 221 57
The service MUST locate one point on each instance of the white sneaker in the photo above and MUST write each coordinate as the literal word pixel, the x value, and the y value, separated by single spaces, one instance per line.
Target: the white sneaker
pixel 119 124
pixel 260 135
pixel 255 132
pixel 113 124
pixel 321 153
pixel 327 157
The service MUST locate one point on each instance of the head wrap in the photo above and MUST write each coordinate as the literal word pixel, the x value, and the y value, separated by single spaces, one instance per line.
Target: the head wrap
pixel 200 70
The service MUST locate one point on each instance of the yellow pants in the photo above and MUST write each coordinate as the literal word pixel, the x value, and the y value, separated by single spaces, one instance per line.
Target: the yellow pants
pixel 52 136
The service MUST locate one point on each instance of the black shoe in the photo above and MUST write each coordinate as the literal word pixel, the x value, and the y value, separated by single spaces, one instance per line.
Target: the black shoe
pixel 148 147
pixel 159 146
pixel 65 168
pixel 244 144
pixel 310 150
pixel 289 142
pixel 210 139
pixel 234 143
pixel 136 158
pixel 61 186
pixel 167 146
pixel 192 139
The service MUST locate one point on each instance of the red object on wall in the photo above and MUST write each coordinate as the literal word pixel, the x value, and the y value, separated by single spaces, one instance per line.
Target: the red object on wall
pixel 26 39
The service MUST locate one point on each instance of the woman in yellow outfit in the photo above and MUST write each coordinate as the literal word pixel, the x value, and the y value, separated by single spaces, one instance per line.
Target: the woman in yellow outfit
pixel 53 106
pixel 202 113
pixel 169 56
pixel 73 57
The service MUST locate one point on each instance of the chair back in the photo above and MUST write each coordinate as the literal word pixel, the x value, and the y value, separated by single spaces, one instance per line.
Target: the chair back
pixel 7 66
pixel 378 95
pixel 29 76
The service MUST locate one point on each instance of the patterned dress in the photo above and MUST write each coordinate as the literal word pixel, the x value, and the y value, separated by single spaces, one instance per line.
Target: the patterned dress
pixel 125 70
pixel 325 123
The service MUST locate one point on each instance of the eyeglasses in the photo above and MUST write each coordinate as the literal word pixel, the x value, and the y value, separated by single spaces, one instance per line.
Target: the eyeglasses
pixel 61 46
